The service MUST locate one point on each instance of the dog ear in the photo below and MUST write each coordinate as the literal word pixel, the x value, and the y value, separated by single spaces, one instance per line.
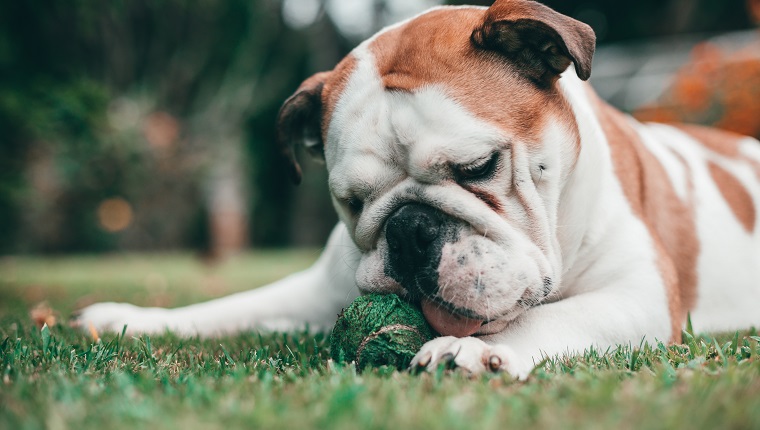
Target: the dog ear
pixel 539 40
pixel 300 122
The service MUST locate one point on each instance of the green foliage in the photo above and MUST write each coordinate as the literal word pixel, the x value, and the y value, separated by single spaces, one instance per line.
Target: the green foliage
pixel 81 81
pixel 43 101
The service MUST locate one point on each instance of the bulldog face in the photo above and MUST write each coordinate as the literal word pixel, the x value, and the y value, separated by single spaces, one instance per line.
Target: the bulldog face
pixel 447 141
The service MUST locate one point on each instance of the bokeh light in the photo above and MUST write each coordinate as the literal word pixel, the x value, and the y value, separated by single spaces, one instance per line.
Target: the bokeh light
pixel 161 130
pixel 300 13
pixel 115 214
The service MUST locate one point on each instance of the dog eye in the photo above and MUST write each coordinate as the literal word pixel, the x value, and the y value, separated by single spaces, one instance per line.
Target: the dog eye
pixel 355 205
pixel 480 170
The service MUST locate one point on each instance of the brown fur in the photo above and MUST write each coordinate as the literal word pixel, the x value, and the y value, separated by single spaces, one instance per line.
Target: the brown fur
pixel 670 221
pixel 737 197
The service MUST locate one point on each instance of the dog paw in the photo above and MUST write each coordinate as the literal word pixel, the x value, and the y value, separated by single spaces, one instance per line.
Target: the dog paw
pixel 470 355
pixel 114 316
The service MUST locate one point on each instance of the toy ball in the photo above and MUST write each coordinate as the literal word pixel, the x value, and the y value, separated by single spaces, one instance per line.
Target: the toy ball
pixel 379 330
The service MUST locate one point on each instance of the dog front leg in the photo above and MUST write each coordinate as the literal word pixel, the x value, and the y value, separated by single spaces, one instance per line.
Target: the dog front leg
pixel 599 319
pixel 310 298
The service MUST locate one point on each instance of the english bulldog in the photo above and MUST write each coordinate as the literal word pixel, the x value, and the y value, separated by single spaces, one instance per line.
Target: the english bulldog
pixel 476 173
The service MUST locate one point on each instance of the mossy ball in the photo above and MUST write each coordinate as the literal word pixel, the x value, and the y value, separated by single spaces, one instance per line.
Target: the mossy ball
pixel 379 330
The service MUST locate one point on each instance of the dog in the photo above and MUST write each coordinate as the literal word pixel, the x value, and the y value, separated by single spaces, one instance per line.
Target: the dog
pixel 476 174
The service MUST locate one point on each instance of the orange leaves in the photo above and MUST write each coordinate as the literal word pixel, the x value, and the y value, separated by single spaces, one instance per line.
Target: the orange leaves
pixel 715 88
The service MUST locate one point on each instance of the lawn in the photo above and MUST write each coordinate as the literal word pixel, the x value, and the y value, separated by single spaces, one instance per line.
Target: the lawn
pixel 59 378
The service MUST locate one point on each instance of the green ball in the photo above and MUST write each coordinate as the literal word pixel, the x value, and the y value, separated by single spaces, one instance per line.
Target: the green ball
pixel 379 330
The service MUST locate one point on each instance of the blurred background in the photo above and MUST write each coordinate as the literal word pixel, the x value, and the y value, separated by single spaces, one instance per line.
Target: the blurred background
pixel 149 125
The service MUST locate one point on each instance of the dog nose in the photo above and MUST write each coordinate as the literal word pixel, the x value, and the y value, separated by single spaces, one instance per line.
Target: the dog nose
pixel 416 235
pixel 411 230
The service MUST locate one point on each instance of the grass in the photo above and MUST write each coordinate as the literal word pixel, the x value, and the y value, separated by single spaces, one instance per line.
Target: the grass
pixel 59 378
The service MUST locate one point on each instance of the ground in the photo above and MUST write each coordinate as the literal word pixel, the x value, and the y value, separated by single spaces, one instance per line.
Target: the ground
pixel 59 378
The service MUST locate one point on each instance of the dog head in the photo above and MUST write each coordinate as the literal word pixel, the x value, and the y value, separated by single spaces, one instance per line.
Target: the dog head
pixel 447 140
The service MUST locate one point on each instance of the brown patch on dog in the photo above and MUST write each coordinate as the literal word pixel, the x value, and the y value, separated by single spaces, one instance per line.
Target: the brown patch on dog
pixel 435 49
pixel 670 221
pixel 737 197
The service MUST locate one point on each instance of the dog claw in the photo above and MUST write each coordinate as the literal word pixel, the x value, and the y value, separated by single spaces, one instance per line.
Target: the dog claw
pixel 494 363
pixel 425 360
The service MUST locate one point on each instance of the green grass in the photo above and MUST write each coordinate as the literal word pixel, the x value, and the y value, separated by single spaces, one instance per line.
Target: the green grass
pixel 60 378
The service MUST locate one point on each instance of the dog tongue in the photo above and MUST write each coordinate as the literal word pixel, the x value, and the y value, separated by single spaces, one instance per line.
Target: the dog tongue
pixel 447 323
